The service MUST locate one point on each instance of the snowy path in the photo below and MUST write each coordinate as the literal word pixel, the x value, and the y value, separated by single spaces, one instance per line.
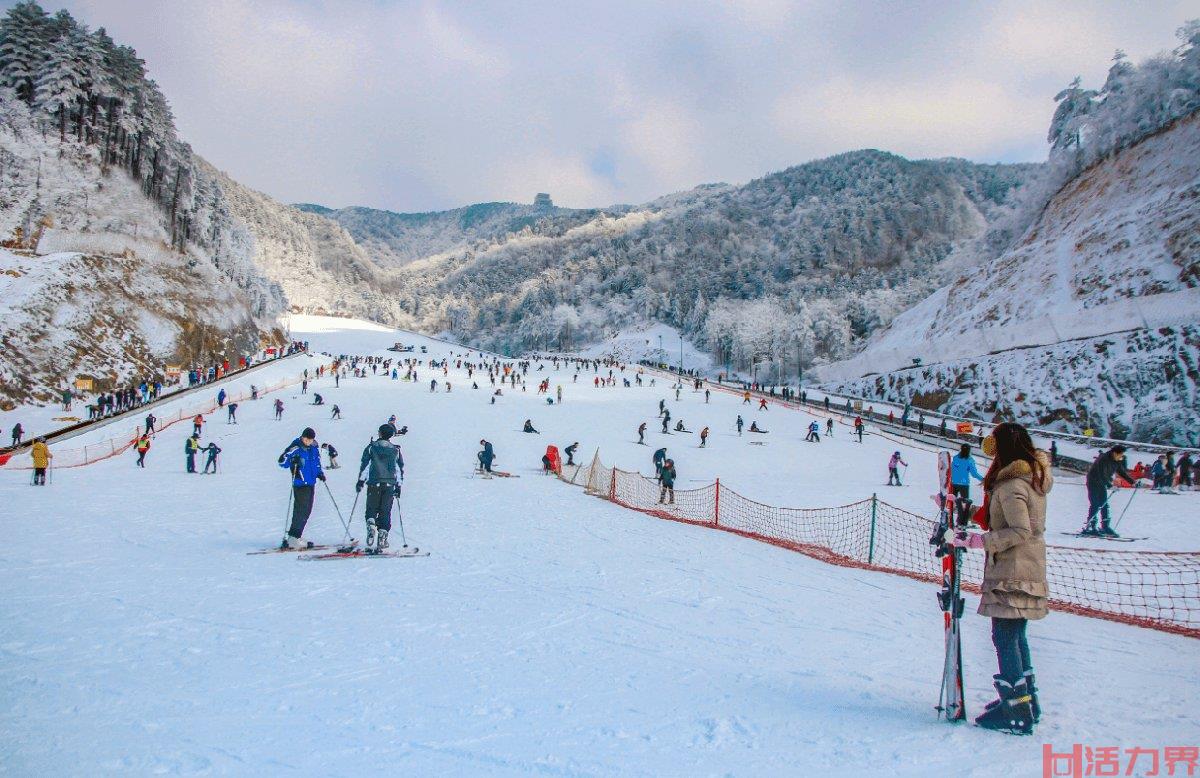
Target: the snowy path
pixel 549 633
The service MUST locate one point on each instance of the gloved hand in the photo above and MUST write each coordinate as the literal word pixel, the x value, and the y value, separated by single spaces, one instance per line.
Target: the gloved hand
pixel 967 540
pixel 321 477
pixel 281 459
pixel 358 486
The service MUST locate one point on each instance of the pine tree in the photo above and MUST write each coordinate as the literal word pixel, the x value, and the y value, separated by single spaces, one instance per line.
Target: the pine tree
pixel 59 88
pixel 24 37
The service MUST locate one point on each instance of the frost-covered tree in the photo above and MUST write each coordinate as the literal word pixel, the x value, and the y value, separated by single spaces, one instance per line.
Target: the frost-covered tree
pixel 24 37
pixel 64 75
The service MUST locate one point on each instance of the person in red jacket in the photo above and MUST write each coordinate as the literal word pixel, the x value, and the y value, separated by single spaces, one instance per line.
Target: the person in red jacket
pixel 198 423
pixel 143 446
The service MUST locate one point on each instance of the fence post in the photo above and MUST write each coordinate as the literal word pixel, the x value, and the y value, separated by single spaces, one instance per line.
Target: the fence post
pixel 717 505
pixel 612 486
pixel 871 546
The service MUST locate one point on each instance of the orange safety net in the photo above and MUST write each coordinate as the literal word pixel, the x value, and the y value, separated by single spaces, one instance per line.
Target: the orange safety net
pixel 1160 590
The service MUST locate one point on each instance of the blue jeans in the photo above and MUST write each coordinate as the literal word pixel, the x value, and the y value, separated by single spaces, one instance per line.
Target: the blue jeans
pixel 1097 505
pixel 1012 649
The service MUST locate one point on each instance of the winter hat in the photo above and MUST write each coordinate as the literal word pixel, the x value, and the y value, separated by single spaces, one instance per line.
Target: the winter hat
pixel 309 432
pixel 386 431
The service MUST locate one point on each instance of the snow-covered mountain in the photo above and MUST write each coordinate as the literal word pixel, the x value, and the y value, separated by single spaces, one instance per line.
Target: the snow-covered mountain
pixel 841 244
pixel 1092 320
pixel 395 239
pixel 317 264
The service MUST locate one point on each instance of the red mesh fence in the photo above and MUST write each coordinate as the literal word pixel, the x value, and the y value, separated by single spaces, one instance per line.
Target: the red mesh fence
pixel 1160 590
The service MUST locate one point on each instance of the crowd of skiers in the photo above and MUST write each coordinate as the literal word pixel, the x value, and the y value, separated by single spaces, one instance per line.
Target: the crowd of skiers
pixel 1012 517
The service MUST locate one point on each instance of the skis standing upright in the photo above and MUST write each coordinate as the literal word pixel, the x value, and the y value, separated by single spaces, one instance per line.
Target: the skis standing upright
pixel 950 697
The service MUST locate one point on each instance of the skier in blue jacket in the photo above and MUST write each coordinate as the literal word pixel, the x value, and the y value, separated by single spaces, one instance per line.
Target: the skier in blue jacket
pixel 303 458
pixel 962 469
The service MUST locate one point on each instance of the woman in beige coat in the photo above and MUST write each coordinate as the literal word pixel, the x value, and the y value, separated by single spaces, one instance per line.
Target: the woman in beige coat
pixel 1014 572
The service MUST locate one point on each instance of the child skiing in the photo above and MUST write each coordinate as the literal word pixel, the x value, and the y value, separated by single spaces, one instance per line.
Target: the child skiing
pixel 666 477
pixel 333 455
pixel 211 461
pixel 894 469
pixel 704 437
pixel 41 460
pixel 642 434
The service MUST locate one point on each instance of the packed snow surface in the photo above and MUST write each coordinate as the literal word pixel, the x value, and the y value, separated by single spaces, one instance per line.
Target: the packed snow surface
pixel 549 633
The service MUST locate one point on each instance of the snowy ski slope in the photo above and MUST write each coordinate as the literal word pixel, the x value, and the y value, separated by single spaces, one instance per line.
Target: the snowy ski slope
pixel 549 633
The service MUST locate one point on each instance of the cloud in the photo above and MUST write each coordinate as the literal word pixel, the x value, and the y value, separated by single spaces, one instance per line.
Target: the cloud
pixel 936 118
pixel 422 104
pixel 664 139
pixel 570 180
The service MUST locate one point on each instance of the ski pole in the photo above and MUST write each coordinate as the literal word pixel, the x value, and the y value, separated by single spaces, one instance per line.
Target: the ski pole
pixel 287 517
pixel 400 516
pixel 339 512
pixel 1135 491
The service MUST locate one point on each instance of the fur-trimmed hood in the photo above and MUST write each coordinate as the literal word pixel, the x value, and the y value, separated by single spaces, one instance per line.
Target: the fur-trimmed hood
pixel 1021 469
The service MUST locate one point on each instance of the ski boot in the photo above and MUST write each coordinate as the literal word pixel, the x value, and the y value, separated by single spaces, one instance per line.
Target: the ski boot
pixel 370 534
pixel 1034 707
pixel 295 543
pixel 1012 713
pixel 381 541
pixel 1107 531
pixel 1089 530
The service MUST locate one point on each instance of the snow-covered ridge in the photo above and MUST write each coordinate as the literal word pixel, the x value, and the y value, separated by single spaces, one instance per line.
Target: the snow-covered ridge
pixel 1115 250
pixel 110 317
pixel 1091 320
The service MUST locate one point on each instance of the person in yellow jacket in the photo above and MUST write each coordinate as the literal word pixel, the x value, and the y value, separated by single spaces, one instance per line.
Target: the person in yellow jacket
pixel 41 460
pixel 191 447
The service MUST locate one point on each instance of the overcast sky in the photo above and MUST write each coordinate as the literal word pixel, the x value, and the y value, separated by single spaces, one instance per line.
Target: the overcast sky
pixel 415 106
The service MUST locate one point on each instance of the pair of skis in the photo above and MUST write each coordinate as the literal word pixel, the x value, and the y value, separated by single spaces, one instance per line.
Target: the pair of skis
pixel 1102 537
pixel 355 553
pixel 351 550
pixel 950 697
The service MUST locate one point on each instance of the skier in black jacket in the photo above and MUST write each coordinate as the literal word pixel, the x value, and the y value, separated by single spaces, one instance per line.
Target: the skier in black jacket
pixel 213 449
pixel 1099 480
pixel 385 471
pixel 487 456
pixel 660 456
